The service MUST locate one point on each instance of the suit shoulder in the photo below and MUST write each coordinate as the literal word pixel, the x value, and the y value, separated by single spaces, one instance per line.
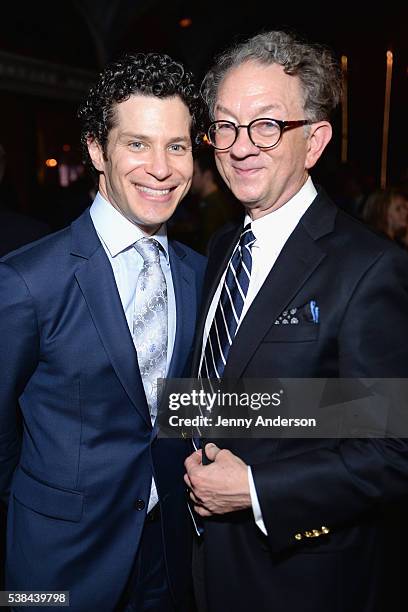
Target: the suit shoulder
pixel 195 259
pixel 43 250
pixel 362 239
pixel 223 235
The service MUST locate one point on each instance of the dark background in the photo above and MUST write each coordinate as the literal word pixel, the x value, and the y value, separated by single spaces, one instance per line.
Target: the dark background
pixel 37 117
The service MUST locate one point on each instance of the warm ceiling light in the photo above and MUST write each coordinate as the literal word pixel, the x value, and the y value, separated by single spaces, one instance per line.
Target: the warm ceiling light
pixel 51 163
pixel 185 22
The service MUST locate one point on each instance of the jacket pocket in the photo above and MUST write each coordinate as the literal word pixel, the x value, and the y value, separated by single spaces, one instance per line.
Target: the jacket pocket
pixel 45 499
pixel 307 332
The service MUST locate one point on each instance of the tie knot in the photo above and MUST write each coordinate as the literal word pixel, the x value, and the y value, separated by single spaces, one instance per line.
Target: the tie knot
pixel 148 248
pixel 247 238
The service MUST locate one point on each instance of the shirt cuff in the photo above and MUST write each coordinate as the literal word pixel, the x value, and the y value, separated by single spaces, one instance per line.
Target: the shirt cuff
pixel 256 508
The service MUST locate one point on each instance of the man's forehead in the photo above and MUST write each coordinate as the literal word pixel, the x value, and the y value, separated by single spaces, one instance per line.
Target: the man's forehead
pixel 143 109
pixel 263 85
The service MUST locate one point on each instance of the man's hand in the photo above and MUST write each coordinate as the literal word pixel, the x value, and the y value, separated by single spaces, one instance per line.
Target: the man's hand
pixel 221 486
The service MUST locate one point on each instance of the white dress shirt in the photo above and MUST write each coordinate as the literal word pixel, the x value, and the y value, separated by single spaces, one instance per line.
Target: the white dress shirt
pixel 118 235
pixel 271 233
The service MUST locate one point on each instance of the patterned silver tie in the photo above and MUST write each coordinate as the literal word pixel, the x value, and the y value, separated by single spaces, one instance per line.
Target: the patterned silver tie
pixel 150 320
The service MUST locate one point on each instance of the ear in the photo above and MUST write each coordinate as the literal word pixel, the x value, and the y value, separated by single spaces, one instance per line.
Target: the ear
pixel 96 154
pixel 319 136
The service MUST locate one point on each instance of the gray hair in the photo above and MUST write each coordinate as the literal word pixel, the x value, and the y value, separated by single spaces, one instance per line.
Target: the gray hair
pixel 315 66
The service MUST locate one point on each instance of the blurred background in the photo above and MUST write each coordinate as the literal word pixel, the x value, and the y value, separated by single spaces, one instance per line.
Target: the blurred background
pixel 51 52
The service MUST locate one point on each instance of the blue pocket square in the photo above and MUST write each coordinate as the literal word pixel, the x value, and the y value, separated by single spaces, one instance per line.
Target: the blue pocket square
pixel 307 313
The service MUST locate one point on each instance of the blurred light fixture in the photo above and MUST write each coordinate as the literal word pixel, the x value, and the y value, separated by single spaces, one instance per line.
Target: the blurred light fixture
pixel 66 147
pixel 386 120
pixel 51 163
pixel 344 110
pixel 185 22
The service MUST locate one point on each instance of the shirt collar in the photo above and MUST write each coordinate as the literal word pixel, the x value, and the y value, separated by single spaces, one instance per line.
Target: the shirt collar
pixel 283 220
pixel 117 232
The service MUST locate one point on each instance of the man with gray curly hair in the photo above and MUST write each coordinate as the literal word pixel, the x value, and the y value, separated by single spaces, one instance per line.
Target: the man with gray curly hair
pixel 300 290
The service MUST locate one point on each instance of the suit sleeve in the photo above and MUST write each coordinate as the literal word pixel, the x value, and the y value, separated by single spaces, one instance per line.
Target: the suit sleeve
pixel 340 483
pixel 18 358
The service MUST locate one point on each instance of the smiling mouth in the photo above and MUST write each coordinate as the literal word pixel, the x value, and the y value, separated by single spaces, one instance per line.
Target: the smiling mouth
pixel 154 192
pixel 246 171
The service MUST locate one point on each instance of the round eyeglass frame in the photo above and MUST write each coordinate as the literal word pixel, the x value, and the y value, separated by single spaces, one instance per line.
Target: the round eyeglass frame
pixel 283 125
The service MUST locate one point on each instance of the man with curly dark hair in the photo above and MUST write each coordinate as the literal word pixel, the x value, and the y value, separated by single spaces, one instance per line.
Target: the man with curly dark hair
pixel 90 318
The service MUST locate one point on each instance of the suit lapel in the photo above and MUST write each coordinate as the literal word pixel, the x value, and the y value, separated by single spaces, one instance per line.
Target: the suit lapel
pixel 297 261
pixel 183 277
pixel 186 307
pixel 97 283
pixel 295 264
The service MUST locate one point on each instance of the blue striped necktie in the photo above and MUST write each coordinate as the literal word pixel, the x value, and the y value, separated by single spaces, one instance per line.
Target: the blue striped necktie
pixel 229 308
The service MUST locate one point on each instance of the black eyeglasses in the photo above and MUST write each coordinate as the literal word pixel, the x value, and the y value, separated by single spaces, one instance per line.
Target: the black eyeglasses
pixel 264 133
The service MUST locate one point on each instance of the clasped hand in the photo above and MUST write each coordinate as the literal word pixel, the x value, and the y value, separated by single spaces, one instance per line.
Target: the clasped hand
pixel 219 487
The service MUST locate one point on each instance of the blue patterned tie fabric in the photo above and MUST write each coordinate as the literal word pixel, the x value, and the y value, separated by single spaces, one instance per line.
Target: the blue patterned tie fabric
pixel 150 320
pixel 229 308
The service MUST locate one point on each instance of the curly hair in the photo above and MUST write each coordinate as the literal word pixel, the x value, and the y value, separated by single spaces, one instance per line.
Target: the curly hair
pixel 149 74
pixel 315 66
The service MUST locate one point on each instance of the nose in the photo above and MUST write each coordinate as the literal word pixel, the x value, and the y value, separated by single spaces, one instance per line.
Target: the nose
pixel 243 146
pixel 158 165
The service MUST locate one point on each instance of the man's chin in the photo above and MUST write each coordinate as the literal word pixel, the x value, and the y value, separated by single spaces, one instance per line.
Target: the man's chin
pixel 148 227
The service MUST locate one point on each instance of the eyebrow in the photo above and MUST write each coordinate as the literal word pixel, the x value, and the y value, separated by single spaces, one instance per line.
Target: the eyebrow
pixel 147 137
pixel 180 139
pixel 262 109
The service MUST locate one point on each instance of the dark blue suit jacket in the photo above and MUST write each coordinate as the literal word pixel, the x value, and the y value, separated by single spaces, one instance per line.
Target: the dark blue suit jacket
pixel 360 282
pixel 87 451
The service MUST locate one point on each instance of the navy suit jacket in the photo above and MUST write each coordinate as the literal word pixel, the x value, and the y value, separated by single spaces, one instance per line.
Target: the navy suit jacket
pixel 360 282
pixel 78 476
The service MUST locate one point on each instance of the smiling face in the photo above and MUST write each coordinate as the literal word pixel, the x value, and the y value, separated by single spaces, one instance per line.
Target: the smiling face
pixel 264 180
pixel 148 165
